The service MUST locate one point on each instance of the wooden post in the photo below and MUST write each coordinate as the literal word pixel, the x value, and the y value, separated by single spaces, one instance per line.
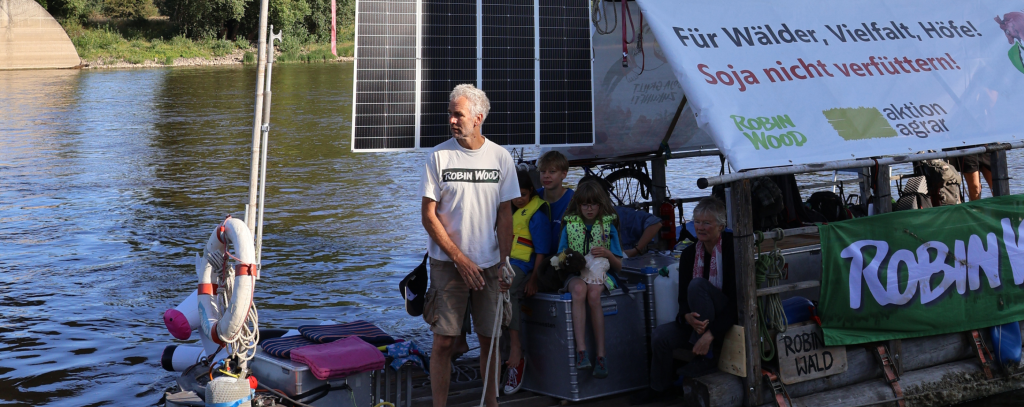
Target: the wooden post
pixel 658 194
pixel 746 288
pixel 1000 176
pixel 883 194
pixel 865 188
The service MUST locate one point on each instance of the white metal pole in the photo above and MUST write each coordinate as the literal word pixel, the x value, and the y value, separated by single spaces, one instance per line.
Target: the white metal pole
pixel 257 122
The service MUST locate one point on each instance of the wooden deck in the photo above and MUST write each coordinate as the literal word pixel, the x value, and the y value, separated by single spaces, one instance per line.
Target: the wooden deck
pixel 467 393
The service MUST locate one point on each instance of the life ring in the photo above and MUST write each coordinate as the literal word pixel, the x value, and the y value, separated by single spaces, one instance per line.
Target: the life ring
pixel 220 327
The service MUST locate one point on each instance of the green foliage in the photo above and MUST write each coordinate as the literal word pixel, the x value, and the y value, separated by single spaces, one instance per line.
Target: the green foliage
pixel 169 60
pixel 42 3
pixel 72 10
pixel 249 58
pixel 219 48
pixel 128 9
pixel 204 18
pixel 243 44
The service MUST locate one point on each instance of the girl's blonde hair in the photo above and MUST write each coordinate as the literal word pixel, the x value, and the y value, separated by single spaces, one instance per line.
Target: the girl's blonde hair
pixel 591 192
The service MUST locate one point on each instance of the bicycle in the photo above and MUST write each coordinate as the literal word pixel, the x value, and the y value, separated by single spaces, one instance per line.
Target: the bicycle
pixel 629 184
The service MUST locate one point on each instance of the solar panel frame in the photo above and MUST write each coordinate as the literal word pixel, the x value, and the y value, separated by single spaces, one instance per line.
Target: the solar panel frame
pixel 540 86
pixel 508 54
pixel 385 85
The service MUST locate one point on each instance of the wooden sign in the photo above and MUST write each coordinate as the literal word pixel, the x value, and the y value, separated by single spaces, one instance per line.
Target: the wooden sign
pixel 734 356
pixel 803 355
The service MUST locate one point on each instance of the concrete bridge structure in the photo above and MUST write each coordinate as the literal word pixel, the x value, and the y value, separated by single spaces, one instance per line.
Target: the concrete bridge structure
pixel 31 39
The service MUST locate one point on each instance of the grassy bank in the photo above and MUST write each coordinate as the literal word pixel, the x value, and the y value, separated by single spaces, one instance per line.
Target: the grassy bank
pixel 151 42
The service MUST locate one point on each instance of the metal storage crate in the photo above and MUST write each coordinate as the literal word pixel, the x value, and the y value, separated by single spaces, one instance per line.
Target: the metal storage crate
pixel 551 349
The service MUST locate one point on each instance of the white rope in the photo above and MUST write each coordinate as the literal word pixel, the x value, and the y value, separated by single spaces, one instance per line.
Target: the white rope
pixel 243 343
pixel 505 274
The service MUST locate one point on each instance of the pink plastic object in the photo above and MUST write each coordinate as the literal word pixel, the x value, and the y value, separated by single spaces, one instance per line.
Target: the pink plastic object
pixel 177 324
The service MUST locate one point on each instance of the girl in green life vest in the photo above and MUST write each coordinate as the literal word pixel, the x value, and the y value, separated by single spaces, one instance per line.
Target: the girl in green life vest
pixel 589 228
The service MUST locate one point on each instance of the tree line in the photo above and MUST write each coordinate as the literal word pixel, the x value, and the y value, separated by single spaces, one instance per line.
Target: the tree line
pixel 304 20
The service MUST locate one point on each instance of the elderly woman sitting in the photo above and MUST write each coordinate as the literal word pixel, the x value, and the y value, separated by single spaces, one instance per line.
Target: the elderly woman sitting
pixel 707 302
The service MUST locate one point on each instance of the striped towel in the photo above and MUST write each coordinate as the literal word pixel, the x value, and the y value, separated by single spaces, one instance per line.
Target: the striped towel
pixel 330 333
pixel 282 347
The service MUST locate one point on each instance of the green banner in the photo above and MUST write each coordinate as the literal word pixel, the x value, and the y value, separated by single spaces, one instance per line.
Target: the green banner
pixel 923 272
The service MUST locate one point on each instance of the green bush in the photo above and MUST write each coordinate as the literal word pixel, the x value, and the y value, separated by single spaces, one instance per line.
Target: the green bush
pixel 128 9
pixel 169 60
pixel 243 44
pixel 248 58
pixel 220 48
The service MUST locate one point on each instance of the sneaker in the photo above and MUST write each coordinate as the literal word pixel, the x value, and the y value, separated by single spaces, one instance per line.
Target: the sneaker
pixel 583 360
pixel 515 377
pixel 600 369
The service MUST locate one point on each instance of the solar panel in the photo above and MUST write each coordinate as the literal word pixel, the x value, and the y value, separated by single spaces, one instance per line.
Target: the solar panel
pixel 566 101
pixel 449 59
pixel 532 58
pixel 508 70
pixel 384 108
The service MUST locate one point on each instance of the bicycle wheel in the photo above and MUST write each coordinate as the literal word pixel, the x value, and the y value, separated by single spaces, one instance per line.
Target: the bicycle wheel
pixel 629 186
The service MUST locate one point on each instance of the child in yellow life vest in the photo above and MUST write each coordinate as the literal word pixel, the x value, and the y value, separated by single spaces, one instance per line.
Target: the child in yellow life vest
pixel 531 235
pixel 589 228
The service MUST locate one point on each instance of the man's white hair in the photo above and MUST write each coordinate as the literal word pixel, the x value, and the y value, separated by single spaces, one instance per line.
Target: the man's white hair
pixel 476 97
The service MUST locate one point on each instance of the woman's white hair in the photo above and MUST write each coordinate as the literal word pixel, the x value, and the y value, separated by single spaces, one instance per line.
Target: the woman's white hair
pixel 711 206
pixel 476 97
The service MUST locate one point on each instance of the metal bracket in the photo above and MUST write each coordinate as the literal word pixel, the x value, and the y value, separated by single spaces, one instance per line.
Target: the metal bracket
pixel 782 398
pixel 889 371
pixel 983 351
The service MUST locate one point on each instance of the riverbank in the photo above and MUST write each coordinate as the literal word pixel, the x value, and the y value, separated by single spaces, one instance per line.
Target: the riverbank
pixel 236 57
pixel 108 44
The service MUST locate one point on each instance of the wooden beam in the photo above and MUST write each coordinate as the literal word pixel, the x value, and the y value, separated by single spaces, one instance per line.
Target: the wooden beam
pixel 1000 176
pixel 746 287
pixel 883 194
pixel 761 292
pixel 724 390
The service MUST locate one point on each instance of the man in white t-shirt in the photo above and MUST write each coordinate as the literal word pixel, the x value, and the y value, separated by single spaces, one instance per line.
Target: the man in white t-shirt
pixel 467 186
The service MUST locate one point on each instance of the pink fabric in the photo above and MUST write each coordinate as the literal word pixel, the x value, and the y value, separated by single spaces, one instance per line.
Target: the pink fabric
pixel 341 358
pixel 715 270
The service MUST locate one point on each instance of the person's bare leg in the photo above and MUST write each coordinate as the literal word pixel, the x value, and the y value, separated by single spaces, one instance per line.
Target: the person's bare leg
pixel 988 177
pixel 460 346
pixel 578 289
pixel 973 185
pixel 515 348
pixel 596 315
pixel 441 368
pixel 491 400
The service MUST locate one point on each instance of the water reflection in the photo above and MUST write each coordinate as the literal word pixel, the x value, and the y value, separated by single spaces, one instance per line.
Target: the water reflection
pixel 111 181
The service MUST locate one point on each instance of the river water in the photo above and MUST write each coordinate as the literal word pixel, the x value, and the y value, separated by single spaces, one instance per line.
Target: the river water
pixel 111 182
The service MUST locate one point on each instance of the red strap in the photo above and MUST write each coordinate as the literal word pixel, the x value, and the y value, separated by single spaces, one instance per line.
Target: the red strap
pixel 245 270
pixel 214 336
pixel 207 289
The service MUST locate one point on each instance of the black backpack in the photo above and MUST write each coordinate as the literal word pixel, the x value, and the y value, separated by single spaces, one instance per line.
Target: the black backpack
pixel 767 203
pixel 829 205
pixel 943 181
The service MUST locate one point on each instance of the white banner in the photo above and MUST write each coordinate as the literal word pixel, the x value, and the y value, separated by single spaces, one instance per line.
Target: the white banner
pixel 798 82
pixel 634 105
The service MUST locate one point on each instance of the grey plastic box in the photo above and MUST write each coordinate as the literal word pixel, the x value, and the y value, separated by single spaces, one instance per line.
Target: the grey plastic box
pixel 295 378
pixel 551 348
pixel 633 270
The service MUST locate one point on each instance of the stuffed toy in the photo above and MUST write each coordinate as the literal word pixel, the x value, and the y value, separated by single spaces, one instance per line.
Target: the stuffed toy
pixel 588 267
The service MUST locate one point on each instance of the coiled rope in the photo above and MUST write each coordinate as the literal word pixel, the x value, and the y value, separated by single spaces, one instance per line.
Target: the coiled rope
pixel 599 13
pixel 242 343
pixel 505 274
pixel 768 268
